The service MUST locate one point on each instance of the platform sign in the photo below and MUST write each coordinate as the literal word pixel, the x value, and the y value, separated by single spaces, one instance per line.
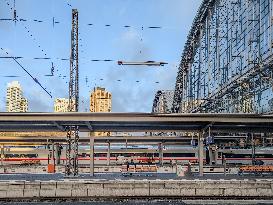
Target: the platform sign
pixel 209 140
pixel 193 143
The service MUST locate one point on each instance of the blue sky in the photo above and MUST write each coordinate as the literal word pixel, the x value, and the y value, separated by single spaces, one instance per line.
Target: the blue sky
pixel 30 39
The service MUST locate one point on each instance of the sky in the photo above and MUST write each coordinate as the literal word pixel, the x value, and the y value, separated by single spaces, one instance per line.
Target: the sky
pixel 132 87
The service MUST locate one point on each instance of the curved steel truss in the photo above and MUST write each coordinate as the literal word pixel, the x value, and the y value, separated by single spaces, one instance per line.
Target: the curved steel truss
pixel 163 101
pixel 226 65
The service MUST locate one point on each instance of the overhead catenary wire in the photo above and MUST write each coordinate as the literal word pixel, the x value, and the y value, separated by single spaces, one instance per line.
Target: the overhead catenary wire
pixel 53 21
pixel 33 38
pixel 90 24
pixel 10 76
pixel 33 78
pixel 15 18
pixel 63 59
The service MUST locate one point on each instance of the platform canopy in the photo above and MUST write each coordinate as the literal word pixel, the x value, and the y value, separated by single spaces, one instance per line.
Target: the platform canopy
pixel 135 122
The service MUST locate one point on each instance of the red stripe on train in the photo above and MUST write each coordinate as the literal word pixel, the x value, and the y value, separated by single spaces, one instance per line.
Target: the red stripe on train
pixel 140 158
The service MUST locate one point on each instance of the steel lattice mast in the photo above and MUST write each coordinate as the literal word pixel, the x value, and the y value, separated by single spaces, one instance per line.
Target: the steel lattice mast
pixel 73 131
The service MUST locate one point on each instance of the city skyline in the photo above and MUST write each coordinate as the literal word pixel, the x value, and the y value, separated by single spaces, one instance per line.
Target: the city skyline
pixel 15 100
pixel 100 100
pixel 98 42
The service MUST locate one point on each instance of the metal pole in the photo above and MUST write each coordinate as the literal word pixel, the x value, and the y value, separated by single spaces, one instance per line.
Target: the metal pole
pixel 92 156
pixel 108 154
pixel 201 154
pixel 68 163
pixel 225 165
pixel 210 155
pixel 253 149
pixel 53 154
pixel 160 153
pixel 58 154
pixel 73 131
pixel 264 136
pixel 2 155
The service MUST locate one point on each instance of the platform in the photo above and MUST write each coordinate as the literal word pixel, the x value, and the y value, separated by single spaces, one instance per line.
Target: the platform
pixel 102 188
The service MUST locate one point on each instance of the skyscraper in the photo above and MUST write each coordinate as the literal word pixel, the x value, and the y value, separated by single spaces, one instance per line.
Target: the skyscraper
pixel 24 105
pixel 15 102
pixel 61 105
pixel 100 101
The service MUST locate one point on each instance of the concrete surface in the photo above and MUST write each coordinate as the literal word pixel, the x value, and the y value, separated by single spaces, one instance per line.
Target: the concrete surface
pixel 119 176
pixel 144 202
pixel 99 188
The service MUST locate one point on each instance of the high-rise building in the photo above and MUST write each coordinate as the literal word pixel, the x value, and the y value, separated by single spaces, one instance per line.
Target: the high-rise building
pixel 100 101
pixel 61 105
pixel 15 102
pixel 24 105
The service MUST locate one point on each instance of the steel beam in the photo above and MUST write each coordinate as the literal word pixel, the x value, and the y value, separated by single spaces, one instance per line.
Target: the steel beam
pixel 201 153
pixel 108 154
pixel 137 122
pixel 91 156
pixel 73 130
pixel 160 153
pixel 221 71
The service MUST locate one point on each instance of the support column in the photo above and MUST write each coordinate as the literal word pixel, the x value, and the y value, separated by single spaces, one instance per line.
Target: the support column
pixel 2 154
pixel 160 150
pixel 263 137
pixel 48 152
pixel 253 149
pixel 58 152
pixel 225 165
pixel 91 156
pixel 108 154
pixel 210 155
pixel 216 155
pixel 53 154
pixel 72 146
pixel 201 154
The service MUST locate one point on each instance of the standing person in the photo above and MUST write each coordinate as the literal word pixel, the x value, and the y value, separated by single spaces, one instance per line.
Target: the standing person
pixel 59 148
pixel 132 162
pixel 173 163
pixel 127 163
pixel 189 168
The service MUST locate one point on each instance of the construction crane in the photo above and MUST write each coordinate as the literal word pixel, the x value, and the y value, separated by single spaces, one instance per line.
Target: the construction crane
pixel 73 131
